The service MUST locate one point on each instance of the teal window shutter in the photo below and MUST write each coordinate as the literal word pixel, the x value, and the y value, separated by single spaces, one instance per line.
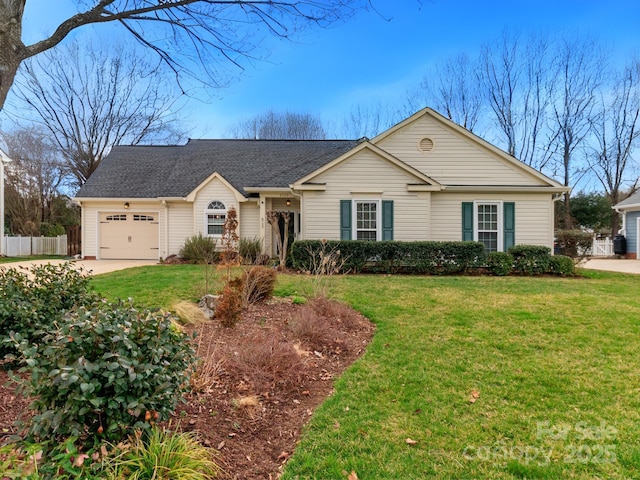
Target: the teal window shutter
pixel 509 215
pixel 345 219
pixel 387 220
pixel 467 221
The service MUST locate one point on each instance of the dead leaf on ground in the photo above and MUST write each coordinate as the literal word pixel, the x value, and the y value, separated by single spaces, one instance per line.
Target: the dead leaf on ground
pixel 283 456
pixel 352 476
pixel 475 394
pixel 409 441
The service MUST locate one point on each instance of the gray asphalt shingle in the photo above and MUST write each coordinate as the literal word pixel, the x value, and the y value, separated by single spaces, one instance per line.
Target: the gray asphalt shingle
pixel 176 170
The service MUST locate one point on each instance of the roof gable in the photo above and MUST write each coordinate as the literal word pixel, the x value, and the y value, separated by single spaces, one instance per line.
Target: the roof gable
pixel 459 157
pixel 419 177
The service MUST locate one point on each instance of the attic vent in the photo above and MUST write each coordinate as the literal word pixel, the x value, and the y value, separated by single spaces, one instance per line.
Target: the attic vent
pixel 426 145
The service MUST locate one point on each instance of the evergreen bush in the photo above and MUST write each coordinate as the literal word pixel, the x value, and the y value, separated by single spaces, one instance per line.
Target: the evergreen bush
pixel 32 300
pixel 103 372
pixel 500 263
pixel 436 258
pixel 562 265
pixel 531 259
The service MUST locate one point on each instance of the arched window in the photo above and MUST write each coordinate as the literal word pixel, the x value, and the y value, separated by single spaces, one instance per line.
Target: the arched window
pixel 216 215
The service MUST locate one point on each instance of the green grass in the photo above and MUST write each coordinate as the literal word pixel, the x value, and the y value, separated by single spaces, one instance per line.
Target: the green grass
pixel 158 285
pixel 35 257
pixel 555 362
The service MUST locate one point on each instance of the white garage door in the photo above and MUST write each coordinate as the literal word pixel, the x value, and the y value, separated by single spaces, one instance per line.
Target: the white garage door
pixel 129 236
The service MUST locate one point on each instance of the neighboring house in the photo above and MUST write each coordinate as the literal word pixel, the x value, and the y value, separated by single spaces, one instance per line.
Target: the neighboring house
pixel 630 210
pixel 426 178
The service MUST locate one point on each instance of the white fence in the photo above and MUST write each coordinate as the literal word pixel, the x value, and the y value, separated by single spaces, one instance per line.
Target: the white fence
pixel 601 247
pixel 25 246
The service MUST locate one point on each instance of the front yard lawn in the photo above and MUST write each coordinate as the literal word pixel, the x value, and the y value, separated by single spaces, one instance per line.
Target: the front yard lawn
pixel 468 377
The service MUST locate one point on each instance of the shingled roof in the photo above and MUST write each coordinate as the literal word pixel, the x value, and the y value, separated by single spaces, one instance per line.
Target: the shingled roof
pixel 176 170
pixel 632 200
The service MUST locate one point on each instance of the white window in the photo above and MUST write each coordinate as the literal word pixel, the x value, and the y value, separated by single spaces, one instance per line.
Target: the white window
pixel 215 215
pixel 367 224
pixel 488 229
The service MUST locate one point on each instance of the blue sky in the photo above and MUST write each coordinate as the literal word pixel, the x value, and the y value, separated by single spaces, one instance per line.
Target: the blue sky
pixel 377 57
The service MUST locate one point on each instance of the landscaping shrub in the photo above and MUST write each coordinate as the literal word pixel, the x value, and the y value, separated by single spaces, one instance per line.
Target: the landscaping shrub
pixel 257 285
pixel 104 372
pixel 50 460
pixel 500 263
pixel 200 249
pixel 265 361
pixel 229 307
pixel 250 250
pixel 530 259
pixel 31 301
pixel 335 311
pixel 311 328
pixel 562 265
pixel 164 455
pixel 436 258
pixel 573 243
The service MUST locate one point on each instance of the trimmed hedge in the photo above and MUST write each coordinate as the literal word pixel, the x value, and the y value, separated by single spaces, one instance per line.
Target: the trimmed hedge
pixel 531 259
pixel 562 265
pixel 500 263
pixel 435 258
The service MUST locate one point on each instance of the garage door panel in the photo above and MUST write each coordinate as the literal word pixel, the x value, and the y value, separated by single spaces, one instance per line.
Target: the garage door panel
pixel 129 235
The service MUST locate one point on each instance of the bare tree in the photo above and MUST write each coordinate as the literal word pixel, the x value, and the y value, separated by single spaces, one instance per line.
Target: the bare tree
pixel 369 120
pixel 33 179
pixel 517 90
pixel 213 30
pixel 273 125
pixel 90 99
pixel 453 90
pixel 578 71
pixel 617 129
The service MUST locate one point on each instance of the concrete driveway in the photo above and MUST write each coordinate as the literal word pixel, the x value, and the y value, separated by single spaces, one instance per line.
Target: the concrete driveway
pixel 95 267
pixel 620 265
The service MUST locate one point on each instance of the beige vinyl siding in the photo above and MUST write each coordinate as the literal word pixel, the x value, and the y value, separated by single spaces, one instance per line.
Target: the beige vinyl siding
pixel 365 176
pixel 215 190
pixel 250 224
pixel 532 211
pixel 454 159
pixel 180 226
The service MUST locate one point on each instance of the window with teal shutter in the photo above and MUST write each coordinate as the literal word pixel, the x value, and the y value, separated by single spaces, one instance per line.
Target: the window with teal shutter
pixel 387 220
pixel 480 224
pixel 345 219
pixel 467 221
pixel 509 215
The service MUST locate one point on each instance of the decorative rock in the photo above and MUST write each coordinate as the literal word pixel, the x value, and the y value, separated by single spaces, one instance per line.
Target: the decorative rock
pixel 208 304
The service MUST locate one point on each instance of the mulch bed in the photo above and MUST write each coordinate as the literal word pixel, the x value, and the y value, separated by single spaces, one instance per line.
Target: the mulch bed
pixel 259 382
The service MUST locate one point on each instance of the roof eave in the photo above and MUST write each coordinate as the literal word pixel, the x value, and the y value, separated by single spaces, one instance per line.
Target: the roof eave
pixel 505 188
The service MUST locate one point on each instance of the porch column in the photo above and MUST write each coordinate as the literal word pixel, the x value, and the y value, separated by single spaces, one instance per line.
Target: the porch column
pixel 263 223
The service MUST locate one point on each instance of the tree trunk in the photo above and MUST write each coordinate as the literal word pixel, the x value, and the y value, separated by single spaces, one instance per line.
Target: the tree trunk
pixel 12 50
pixel 615 216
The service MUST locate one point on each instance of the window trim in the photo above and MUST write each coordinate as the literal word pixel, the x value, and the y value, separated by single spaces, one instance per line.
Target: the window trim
pixel 500 221
pixel 354 216
pixel 214 211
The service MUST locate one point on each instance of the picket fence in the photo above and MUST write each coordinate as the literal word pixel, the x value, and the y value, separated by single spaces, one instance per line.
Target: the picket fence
pixel 25 246
pixel 602 247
